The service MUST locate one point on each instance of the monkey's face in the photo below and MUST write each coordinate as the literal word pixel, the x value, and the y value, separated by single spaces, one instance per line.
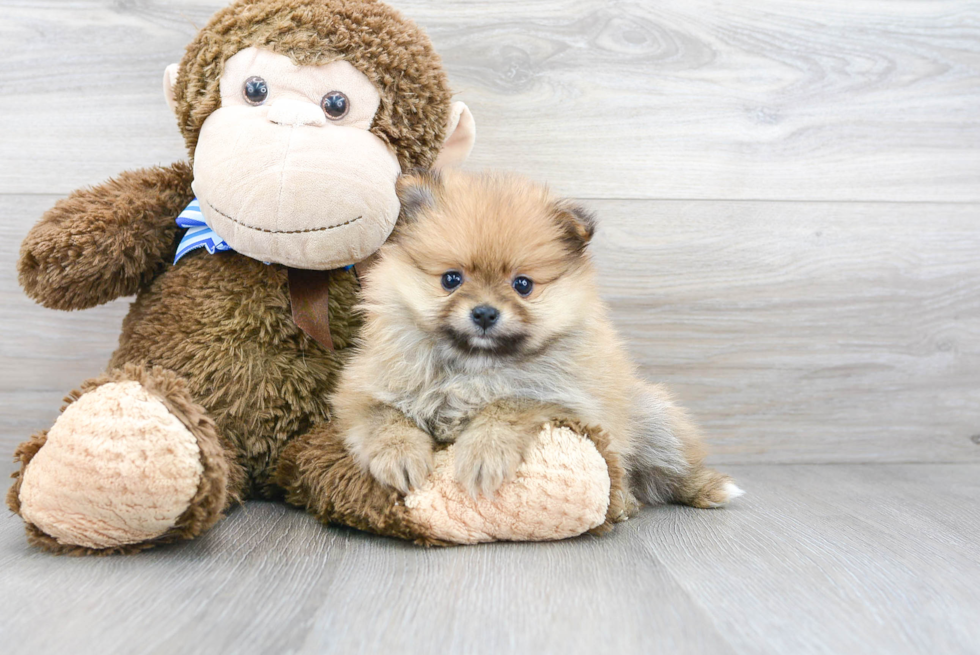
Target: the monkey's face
pixel 286 170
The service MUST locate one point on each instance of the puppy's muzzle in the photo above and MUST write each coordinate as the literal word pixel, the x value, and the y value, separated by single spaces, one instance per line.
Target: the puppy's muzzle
pixel 484 316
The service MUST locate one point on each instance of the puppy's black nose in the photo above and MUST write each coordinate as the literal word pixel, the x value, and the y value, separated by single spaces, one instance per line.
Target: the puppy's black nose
pixel 484 316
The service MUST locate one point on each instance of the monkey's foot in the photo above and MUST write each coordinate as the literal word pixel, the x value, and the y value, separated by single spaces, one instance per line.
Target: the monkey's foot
pixel 131 462
pixel 562 489
pixel 570 482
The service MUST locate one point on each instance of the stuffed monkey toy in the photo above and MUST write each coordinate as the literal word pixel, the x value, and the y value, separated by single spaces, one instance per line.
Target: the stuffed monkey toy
pixel 298 115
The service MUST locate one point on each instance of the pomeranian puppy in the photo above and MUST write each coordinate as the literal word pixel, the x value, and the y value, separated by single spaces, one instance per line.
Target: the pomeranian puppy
pixel 482 323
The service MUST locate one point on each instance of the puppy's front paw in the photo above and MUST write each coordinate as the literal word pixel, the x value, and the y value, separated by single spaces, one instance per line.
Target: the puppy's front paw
pixel 403 465
pixel 482 465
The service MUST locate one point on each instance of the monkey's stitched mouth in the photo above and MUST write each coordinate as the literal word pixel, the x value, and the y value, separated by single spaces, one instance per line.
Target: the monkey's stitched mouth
pixel 267 231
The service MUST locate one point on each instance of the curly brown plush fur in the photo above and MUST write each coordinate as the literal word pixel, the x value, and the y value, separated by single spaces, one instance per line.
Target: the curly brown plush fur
pixel 223 323
pixel 320 476
pixel 101 243
pixel 390 50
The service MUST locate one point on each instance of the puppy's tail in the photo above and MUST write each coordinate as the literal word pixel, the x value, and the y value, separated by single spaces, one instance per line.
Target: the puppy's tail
pixel 707 488
pixel 665 463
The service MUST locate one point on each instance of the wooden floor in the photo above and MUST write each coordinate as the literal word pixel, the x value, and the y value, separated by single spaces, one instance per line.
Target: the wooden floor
pixel 789 202
pixel 814 559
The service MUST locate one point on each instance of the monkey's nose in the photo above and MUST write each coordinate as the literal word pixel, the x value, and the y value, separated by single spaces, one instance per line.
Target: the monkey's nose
pixel 292 113
pixel 484 316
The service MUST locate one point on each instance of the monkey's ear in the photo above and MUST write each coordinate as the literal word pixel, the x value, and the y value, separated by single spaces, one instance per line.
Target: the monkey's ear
pixel 577 222
pixel 416 192
pixel 460 137
pixel 169 79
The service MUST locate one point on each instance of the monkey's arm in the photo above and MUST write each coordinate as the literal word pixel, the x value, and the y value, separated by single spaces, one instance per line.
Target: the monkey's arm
pixel 102 243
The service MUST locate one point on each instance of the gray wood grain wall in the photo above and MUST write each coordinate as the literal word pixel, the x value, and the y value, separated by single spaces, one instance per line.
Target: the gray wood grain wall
pixel 789 194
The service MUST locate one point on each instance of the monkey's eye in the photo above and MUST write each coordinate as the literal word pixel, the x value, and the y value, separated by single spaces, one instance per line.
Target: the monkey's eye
pixel 335 105
pixel 451 280
pixel 255 90
pixel 522 285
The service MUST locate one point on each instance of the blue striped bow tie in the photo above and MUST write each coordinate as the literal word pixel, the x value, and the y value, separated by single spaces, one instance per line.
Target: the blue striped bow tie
pixel 198 235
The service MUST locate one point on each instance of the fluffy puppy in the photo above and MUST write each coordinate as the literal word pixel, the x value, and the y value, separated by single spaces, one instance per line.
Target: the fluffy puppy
pixel 482 323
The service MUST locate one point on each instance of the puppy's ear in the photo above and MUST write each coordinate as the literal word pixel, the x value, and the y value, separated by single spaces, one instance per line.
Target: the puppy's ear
pixel 416 192
pixel 577 223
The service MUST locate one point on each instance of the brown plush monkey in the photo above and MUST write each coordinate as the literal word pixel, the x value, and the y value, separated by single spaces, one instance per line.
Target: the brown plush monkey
pixel 298 117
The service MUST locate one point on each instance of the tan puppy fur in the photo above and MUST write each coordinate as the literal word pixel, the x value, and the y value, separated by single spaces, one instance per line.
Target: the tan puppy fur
pixel 458 347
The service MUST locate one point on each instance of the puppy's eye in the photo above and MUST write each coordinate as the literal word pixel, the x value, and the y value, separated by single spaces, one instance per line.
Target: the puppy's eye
pixel 255 90
pixel 451 280
pixel 335 105
pixel 522 285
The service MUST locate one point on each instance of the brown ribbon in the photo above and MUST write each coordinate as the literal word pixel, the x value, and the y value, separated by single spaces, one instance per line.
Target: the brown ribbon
pixel 309 292
pixel 308 295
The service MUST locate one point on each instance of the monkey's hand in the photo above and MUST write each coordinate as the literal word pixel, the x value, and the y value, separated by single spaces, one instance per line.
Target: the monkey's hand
pixel 493 444
pixel 102 243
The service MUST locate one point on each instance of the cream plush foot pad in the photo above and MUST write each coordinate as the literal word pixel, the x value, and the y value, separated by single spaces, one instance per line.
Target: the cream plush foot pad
pixel 117 468
pixel 561 490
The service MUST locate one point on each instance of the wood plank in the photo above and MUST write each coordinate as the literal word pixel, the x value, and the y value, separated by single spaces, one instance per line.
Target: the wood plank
pixel 795 332
pixel 832 558
pixel 805 332
pixel 801 99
